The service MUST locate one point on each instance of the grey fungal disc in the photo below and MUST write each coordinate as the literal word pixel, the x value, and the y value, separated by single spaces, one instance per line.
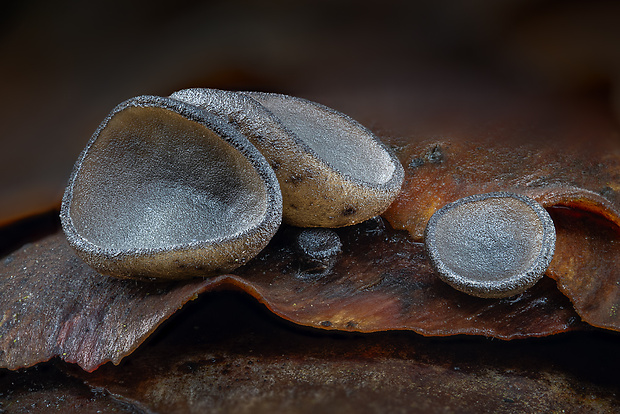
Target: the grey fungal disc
pixel 318 249
pixel 332 171
pixel 318 244
pixel 165 190
pixel 491 245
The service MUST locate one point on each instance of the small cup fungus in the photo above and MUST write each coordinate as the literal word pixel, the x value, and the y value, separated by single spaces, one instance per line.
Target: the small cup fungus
pixel 318 247
pixel 332 171
pixel 491 245
pixel 165 190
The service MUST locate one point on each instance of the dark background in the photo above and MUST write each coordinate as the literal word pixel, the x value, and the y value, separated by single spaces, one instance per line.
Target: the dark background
pixel 401 68
pixel 65 64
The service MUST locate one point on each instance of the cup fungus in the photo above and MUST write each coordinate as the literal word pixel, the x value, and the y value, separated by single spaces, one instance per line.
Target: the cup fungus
pixel 165 190
pixel 491 245
pixel 332 171
pixel 318 248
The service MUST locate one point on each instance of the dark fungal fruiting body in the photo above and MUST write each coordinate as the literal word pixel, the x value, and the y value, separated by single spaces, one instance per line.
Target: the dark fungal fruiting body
pixel 318 248
pixel 332 171
pixel 165 190
pixel 491 245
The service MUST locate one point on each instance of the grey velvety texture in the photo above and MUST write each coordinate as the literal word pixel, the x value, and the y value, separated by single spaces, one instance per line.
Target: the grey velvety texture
pixel 165 190
pixel 491 245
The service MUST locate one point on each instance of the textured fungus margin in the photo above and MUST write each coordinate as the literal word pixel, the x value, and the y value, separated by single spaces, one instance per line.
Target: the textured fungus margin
pixel 332 171
pixel 165 190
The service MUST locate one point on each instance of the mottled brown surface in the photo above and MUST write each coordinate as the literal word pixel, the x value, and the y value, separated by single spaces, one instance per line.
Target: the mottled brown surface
pixel 224 353
pixel 53 304
pixel 47 389
pixel 586 265
pixel 383 281
pixel 439 172
pixel 581 175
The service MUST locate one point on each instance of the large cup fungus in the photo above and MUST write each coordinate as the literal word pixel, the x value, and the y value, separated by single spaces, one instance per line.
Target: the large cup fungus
pixel 332 171
pixel 170 188
pixel 165 190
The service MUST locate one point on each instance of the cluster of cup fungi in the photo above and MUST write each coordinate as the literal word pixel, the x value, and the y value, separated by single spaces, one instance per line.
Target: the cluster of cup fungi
pixel 197 184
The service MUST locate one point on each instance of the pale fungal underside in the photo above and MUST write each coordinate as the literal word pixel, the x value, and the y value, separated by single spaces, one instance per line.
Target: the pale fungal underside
pixel 491 245
pixel 332 171
pixel 165 190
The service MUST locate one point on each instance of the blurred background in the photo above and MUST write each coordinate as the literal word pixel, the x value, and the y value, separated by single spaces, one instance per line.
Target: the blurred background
pixel 404 68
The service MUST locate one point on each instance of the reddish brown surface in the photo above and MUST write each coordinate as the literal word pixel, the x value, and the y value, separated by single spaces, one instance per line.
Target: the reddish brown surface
pixel 55 305
pixel 52 304
pixel 383 281
pixel 439 172
pixel 584 177
pixel 223 353
pixel 586 265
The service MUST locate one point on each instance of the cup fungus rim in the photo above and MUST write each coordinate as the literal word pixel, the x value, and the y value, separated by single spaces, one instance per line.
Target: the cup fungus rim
pixel 395 180
pixel 270 220
pixel 507 286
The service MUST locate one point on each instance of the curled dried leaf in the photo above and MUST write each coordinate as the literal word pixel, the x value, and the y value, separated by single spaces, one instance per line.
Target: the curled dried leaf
pixel 586 266
pixel 582 180
pixel 53 304
pixel 382 281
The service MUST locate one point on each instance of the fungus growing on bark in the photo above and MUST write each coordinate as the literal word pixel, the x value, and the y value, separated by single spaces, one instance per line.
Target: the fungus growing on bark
pixel 164 190
pixel 332 171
